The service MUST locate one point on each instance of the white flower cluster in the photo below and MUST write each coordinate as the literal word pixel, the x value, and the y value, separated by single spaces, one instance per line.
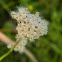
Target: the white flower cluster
pixel 30 26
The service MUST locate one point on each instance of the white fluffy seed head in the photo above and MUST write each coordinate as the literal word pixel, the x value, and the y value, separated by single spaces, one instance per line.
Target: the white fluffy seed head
pixel 29 25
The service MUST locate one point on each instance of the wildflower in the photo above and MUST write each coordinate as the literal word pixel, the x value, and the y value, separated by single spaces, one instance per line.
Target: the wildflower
pixel 30 26
pixel 30 7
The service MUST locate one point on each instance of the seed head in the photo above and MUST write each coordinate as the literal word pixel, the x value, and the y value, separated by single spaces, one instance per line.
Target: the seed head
pixel 30 26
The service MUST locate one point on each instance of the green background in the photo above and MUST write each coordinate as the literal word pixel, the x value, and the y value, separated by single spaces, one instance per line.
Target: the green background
pixel 47 48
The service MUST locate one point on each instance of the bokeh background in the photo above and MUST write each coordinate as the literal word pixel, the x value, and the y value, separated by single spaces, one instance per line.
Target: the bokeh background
pixel 47 48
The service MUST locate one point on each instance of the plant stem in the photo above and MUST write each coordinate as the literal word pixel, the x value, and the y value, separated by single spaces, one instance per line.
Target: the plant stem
pixel 6 54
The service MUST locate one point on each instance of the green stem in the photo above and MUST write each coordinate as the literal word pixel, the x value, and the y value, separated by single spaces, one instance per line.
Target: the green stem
pixel 6 54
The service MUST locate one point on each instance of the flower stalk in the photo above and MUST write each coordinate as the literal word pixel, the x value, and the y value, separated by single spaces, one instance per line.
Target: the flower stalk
pixel 6 54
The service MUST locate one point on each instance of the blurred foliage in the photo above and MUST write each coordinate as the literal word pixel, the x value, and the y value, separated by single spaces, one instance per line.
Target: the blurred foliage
pixel 47 48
